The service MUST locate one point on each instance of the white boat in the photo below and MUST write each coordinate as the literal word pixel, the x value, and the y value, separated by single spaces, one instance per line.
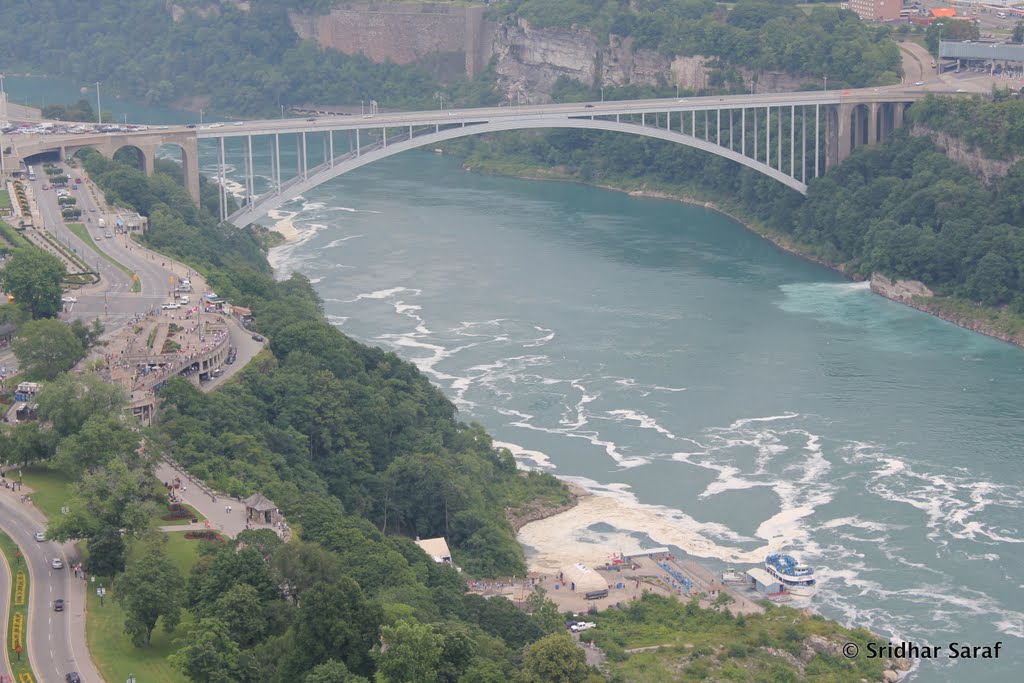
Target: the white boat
pixel 732 576
pixel 797 579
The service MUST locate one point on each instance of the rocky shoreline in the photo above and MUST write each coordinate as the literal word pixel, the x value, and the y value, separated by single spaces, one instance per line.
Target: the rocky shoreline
pixel 536 512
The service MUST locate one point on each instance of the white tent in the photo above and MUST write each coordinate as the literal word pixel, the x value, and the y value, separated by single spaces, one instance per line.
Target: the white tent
pixel 583 579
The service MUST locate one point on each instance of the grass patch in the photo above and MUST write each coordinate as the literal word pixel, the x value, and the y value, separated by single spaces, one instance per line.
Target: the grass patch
pixel 19 665
pixel 51 490
pixel 113 652
pixel 83 234
pixel 5 198
pixel 112 649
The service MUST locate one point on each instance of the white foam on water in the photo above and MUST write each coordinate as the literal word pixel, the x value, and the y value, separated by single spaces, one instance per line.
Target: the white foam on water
pixel 526 459
pixel 337 320
pixel 383 294
pixel 339 241
pixel 546 336
pixel 568 536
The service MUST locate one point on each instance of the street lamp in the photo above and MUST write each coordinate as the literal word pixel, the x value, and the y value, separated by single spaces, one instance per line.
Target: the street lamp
pixel 362 107
pixel 938 45
pixel 99 111
pixel 677 91
pixel 825 78
pixel 602 93
pixel 200 117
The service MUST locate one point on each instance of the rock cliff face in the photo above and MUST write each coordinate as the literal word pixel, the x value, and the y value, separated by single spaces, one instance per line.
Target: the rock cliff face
pixel 956 149
pixel 458 37
pixel 527 60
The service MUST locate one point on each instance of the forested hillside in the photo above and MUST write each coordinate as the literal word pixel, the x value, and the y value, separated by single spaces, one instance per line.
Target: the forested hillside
pixel 245 62
pixel 252 62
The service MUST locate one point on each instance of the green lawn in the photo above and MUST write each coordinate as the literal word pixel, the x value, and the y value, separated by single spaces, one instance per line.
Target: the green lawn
pixel 5 199
pixel 51 489
pixel 20 665
pixel 112 650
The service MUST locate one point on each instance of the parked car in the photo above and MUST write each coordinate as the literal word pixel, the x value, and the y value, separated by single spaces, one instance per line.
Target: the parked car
pixel 57 563
pixel 217 372
pixel 168 307
pixel 258 337
pixel 69 300
pixel 58 605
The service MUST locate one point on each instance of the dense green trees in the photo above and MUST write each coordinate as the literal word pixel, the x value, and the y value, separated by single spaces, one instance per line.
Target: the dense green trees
pixel 46 348
pixel 151 589
pixel 33 277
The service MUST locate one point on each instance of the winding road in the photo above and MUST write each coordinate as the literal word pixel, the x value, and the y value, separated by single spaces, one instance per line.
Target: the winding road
pixel 56 640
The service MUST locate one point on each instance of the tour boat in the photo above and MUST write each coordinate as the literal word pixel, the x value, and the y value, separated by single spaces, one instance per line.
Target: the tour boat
pixel 797 579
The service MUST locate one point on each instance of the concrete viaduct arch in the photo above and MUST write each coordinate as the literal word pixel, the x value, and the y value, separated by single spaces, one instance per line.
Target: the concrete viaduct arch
pixel 148 145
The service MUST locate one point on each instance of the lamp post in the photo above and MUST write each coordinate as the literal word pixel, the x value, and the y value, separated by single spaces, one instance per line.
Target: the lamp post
pixel 282 112
pixel 99 111
pixel 362 107
pixel 200 117
pixel 825 80
pixel 677 91
pixel 602 93
pixel 938 45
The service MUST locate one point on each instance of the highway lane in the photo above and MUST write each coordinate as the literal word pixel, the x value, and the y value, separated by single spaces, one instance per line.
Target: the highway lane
pixel 112 300
pixel 53 652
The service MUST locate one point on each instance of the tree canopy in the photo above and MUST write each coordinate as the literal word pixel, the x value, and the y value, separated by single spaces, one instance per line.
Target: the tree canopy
pixel 34 277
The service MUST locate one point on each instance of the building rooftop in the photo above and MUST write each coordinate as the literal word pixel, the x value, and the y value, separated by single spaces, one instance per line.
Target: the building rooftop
pixel 437 548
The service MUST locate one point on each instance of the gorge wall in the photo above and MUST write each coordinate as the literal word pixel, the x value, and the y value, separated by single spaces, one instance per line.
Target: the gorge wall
pixel 456 37
pixel 527 60
pixel 988 170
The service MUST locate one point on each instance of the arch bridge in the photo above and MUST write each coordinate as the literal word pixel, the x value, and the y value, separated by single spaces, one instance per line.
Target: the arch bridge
pixel 790 137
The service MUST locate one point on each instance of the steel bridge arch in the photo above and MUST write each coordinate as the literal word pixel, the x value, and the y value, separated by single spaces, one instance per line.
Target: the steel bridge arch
pixel 345 163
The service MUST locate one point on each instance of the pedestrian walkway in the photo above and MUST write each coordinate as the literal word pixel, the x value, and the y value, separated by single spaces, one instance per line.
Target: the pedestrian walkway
pixel 224 513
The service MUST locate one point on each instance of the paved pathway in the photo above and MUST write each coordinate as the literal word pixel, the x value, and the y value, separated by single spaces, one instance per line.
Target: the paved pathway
pixel 201 498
